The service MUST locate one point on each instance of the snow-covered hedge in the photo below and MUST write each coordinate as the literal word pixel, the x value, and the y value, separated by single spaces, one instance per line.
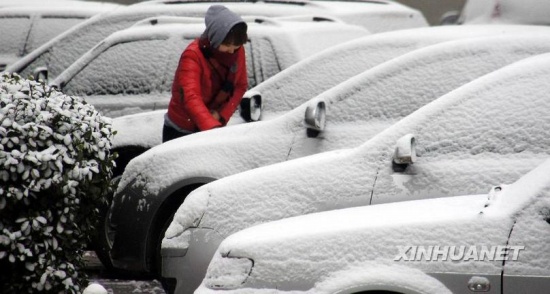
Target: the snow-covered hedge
pixel 55 170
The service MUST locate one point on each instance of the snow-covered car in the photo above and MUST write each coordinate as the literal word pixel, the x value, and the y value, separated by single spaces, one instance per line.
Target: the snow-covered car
pixel 294 85
pixel 26 28
pixel 155 183
pixel 532 12
pixel 491 130
pixel 55 56
pixel 132 70
pixel 489 243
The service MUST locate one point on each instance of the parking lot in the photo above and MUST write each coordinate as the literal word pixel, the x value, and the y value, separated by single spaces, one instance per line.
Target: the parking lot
pixel 118 284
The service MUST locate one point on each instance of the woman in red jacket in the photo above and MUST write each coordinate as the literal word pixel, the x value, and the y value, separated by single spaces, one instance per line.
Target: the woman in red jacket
pixel 211 78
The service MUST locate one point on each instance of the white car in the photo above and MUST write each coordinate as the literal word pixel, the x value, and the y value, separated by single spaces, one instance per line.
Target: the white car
pixel 304 80
pixel 26 28
pixel 493 129
pixel 132 70
pixel 55 56
pixel 495 243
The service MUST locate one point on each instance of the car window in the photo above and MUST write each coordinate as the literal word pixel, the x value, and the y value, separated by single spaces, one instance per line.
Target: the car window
pixel 46 28
pixel 70 48
pixel 390 92
pixel 12 40
pixel 130 68
pixel 265 63
pixel 250 71
pixel 380 97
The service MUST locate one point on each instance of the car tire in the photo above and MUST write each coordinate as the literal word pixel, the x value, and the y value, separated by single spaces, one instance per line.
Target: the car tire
pixel 164 217
pixel 125 154
pixel 101 242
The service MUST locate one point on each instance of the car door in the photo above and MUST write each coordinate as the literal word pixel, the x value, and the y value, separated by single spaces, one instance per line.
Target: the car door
pixel 527 268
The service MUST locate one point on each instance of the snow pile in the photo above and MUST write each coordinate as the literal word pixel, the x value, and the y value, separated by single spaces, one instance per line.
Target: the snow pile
pixel 56 164
pixel 95 288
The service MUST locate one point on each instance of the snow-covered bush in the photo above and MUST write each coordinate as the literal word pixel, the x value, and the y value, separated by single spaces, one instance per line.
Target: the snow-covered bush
pixel 55 170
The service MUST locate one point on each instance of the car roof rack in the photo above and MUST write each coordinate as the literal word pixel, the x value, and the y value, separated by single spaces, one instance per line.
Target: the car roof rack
pixel 168 2
pixel 276 21
pixel 164 19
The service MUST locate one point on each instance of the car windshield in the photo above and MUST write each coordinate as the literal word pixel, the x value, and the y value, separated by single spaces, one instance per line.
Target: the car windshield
pixel 138 67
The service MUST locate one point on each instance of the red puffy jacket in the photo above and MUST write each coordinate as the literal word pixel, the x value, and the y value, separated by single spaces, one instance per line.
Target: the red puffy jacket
pixel 196 86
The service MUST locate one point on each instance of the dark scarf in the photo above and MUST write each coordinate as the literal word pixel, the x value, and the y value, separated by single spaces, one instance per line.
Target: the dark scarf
pixel 226 59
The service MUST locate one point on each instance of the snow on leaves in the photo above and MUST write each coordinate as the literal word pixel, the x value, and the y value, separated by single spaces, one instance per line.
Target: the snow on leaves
pixel 55 167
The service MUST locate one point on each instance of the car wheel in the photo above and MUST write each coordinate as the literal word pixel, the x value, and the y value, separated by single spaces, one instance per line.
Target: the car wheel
pixel 164 217
pixel 103 239
pixel 125 154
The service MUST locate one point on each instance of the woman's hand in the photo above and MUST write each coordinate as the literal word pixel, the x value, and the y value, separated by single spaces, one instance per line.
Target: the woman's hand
pixel 215 114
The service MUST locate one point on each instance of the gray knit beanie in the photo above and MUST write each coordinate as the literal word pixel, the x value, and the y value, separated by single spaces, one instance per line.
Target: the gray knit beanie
pixel 219 20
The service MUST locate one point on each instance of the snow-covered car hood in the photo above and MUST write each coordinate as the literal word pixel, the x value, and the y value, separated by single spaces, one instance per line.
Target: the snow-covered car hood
pixel 142 129
pixel 197 155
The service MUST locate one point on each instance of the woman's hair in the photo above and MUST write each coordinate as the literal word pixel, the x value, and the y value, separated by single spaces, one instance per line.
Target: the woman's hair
pixel 237 35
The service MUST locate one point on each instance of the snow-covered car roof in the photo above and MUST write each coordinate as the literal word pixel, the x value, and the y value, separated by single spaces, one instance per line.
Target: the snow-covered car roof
pixel 288 40
pixel 293 86
pixel 60 52
pixel 286 253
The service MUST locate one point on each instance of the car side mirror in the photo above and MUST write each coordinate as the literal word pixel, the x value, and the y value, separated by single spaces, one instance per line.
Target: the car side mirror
pixel 315 119
pixel 40 74
pixel 405 152
pixel 251 106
